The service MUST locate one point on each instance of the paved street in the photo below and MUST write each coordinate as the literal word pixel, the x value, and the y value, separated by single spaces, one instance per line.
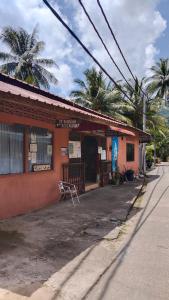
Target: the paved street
pixel 141 268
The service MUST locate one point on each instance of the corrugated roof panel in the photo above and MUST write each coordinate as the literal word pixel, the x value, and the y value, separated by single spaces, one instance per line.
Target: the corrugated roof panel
pixel 16 87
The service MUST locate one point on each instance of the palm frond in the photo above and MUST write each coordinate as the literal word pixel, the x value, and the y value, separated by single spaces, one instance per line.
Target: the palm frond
pixel 7 57
pixel 37 48
pixel 8 68
pixel 45 62
pixel 81 84
pixel 9 36
pixel 39 79
pixel 33 38
pixel 46 74
pixel 22 61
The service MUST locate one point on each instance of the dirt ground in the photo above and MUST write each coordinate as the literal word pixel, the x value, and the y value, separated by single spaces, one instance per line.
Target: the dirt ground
pixel 36 245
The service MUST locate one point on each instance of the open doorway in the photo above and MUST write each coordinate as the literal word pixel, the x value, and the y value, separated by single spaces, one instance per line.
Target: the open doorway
pixel 90 157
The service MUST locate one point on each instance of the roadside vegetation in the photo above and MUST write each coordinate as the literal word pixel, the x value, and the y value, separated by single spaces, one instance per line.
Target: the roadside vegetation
pixel 97 93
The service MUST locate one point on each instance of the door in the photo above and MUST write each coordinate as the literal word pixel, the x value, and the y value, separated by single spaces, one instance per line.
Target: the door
pixel 90 156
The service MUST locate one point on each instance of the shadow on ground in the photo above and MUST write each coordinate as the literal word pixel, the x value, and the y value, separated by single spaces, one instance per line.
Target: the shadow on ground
pixel 36 245
pixel 118 260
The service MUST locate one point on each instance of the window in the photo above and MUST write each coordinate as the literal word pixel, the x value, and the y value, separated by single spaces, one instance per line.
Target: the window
pixel 130 152
pixel 40 149
pixel 11 149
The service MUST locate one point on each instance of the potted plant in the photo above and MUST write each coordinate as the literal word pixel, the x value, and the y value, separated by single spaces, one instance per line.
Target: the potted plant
pixel 116 177
pixel 129 175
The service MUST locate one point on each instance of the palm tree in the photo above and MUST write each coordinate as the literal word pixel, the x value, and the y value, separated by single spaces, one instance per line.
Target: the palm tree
pixel 133 109
pixel 160 137
pixel 88 89
pixel 22 61
pixel 159 81
pixel 110 102
pixel 94 92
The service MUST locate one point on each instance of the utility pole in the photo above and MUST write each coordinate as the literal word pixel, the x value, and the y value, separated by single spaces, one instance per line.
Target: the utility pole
pixel 144 129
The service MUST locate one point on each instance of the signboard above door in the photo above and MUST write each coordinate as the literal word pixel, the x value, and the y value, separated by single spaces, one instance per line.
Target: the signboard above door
pixel 68 123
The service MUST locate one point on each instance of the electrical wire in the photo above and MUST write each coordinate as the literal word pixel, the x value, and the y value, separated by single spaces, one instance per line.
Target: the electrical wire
pixel 84 47
pixel 114 37
pixel 102 41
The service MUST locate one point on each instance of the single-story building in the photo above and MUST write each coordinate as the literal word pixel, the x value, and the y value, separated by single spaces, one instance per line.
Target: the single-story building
pixel 45 138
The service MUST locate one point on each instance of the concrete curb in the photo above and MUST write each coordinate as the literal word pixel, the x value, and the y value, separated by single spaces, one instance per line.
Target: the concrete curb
pixel 135 198
pixel 73 281
pixel 7 295
pixel 76 279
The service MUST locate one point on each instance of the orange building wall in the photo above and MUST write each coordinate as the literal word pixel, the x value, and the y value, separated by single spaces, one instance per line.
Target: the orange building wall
pixel 25 192
pixel 21 193
pixel 122 163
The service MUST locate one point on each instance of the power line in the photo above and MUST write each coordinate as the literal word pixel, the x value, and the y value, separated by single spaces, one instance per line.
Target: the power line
pixel 84 47
pixel 114 37
pixel 101 39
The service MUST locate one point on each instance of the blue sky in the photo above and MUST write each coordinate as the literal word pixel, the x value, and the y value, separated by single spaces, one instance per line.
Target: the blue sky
pixel 163 42
pixel 141 27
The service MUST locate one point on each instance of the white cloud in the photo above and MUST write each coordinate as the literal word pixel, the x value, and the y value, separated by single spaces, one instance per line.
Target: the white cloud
pixel 136 23
pixel 65 79
pixel 150 53
pixel 28 14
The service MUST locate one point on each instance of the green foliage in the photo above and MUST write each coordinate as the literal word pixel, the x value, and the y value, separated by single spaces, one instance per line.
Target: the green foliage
pixel 22 60
pixel 158 83
pixel 150 153
pixel 95 93
pixel 134 107
pixel 116 177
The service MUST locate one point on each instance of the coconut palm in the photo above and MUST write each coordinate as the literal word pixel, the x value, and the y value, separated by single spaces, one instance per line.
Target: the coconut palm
pixel 133 110
pixel 22 61
pixel 110 102
pixel 88 89
pixel 94 92
pixel 159 81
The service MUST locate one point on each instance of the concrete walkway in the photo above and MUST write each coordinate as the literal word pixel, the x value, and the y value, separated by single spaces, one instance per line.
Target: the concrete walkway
pixel 74 281
pixel 140 270
pixel 60 239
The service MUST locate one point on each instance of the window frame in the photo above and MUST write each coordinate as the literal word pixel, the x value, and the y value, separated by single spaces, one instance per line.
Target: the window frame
pixel 23 164
pixel 25 149
pixel 28 150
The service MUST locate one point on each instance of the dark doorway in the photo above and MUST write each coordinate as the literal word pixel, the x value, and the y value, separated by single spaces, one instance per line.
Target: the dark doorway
pixel 90 156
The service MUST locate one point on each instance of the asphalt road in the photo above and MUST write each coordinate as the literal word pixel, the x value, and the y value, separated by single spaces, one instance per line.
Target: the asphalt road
pixel 141 268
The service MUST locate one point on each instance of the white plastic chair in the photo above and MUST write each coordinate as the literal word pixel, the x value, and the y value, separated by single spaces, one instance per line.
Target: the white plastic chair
pixel 66 188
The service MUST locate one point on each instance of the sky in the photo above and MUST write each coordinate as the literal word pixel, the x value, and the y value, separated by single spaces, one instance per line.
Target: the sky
pixel 140 26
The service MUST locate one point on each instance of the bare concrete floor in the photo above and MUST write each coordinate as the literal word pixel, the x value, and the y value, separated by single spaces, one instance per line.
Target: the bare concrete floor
pixel 34 246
